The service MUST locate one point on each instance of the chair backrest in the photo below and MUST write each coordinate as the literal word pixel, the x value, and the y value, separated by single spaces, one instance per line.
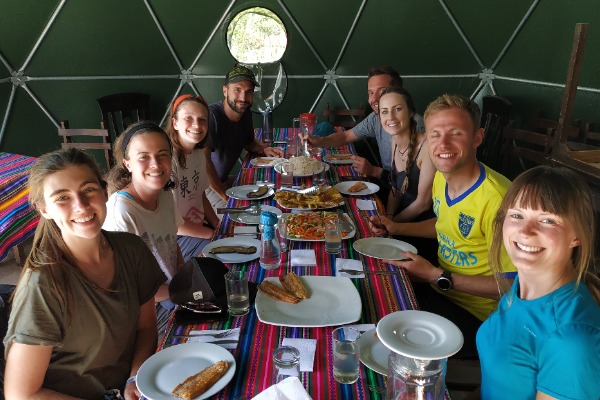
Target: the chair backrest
pixel 589 136
pixel 542 125
pixel 122 109
pixel 83 140
pixel 344 117
pixel 494 117
pixel 530 148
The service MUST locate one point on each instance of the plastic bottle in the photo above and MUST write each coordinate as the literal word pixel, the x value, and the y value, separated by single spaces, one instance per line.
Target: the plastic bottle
pixel 270 252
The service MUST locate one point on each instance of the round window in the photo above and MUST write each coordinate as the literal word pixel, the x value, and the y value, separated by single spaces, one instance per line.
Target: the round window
pixel 256 36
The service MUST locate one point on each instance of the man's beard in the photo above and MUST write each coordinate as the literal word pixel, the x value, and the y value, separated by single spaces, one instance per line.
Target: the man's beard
pixel 236 109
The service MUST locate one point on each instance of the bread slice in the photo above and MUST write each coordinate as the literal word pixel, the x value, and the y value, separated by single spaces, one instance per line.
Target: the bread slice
pixel 277 293
pixel 357 187
pixel 199 383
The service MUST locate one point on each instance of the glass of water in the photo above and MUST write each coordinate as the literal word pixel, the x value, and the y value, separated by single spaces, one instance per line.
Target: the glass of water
pixel 282 232
pixel 345 354
pixel 238 296
pixel 286 363
pixel 333 237
pixel 287 174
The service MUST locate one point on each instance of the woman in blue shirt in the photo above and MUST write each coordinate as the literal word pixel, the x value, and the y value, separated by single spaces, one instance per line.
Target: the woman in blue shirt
pixel 543 342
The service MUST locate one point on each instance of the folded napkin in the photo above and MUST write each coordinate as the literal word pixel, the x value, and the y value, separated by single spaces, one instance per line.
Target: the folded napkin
pixel 345 263
pixel 365 205
pixel 288 389
pixel 244 229
pixel 307 348
pixel 228 342
pixel 303 258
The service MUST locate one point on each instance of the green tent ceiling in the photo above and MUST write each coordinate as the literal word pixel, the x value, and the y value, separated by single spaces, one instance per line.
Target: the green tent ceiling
pixel 58 57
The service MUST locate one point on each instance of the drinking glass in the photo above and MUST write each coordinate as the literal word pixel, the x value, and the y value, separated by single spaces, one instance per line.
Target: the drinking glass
pixel 286 362
pixel 333 237
pixel 282 232
pixel 319 177
pixel 411 378
pixel 345 354
pixel 238 296
pixel 287 174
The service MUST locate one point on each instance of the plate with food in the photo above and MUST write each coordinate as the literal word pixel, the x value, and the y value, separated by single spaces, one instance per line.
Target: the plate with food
pixel 340 158
pixel 310 226
pixel 253 218
pixel 383 248
pixel 176 372
pixel 323 198
pixel 250 192
pixel 373 353
pixel 304 166
pixel 233 250
pixel 328 301
pixel 266 161
pixel 357 188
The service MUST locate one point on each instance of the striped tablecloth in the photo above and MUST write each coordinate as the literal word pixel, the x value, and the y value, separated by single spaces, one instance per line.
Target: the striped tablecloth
pixel 380 296
pixel 18 219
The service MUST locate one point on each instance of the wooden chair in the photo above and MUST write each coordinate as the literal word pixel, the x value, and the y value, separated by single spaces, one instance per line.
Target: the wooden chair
pixel 122 109
pixel 494 118
pixel 83 140
pixel 344 117
pixel 542 125
pixel 530 148
pixel 589 136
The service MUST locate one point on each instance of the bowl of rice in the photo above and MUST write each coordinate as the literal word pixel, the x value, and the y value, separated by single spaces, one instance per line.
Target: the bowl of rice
pixel 304 166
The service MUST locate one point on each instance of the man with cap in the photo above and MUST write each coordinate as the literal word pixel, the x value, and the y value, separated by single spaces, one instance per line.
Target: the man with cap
pixel 231 131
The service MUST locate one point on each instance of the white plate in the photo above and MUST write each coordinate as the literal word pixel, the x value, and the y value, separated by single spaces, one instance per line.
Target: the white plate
pixel 350 234
pixel 333 301
pixel 233 241
pixel 278 169
pixel 330 161
pixel 159 374
pixel 383 248
pixel 419 334
pixel 241 192
pixel 343 187
pixel 252 219
pixel 272 161
pixel 373 353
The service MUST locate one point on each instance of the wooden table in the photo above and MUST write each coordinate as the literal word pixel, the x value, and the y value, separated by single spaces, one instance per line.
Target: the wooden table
pixel 380 295
pixel 18 219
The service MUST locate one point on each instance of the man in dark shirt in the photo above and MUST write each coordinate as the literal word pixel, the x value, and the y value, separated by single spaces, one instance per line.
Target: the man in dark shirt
pixel 231 131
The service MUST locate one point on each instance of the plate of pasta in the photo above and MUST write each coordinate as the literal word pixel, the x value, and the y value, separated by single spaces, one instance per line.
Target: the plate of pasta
pixel 310 226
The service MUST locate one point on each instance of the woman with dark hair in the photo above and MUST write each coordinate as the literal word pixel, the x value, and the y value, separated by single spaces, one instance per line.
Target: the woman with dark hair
pixel 142 202
pixel 543 342
pixel 187 129
pixel 82 318
pixel 411 176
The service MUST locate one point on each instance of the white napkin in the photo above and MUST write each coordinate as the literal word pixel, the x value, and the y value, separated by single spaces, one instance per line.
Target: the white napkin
pixel 203 337
pixel 303 258
pixel 345 263
pixel 288 389
pixel 244 229
pixel 307 348
pixel 365 205
pixel 362 327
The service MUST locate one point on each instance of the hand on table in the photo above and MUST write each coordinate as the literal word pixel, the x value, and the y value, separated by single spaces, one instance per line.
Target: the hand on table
pixel 273 152
pixel 417 267
pixel 362 166
pixel 380 225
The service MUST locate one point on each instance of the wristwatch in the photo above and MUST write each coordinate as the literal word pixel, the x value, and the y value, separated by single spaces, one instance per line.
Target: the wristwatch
pixel 444 282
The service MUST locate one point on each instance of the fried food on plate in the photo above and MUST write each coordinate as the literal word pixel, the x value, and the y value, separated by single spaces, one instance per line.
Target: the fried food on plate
pixel 199 383
pixel 233 249
pixel 357 187
pixel 292 283
pixel 263 161
pixel 339 157
pixel 277 293
pixel 323 198
pixel 262 190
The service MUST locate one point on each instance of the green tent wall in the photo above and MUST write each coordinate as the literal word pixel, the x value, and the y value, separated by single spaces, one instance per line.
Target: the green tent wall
pixel 57 57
